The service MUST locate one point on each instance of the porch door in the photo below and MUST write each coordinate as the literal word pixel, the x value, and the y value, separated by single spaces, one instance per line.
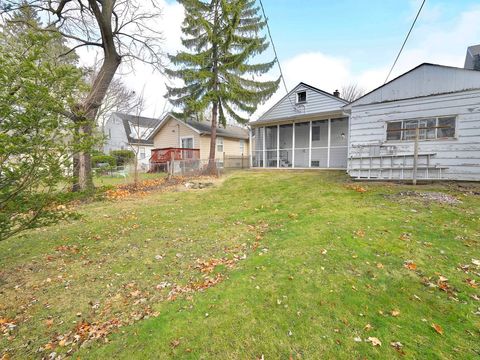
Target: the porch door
pixel 187 143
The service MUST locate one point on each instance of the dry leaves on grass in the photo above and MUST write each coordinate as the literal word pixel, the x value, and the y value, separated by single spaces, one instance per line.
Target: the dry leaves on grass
pixel 356 187
pixel 208 266
pixel 7 326
pixel 395 313
pixel 194 286
pixel 472 283
pixel 360 233
pixel 375 341
pixel 410 265
pixel 143 187
pixel 437 328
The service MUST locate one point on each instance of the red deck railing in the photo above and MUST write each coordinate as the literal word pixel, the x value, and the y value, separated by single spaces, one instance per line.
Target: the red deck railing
pixel 161 157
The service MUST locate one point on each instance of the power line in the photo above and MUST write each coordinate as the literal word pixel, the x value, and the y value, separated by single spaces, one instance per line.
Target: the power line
pixel 405 41
pixel 275 52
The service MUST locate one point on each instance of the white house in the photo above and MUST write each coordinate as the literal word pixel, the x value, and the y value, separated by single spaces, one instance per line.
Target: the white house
pixel 443 101
pixel 130 132
pixel 308 128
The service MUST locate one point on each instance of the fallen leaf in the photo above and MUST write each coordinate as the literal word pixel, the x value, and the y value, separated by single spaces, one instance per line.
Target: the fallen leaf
pixel 410 265
pixel 437 328
pixel 174 343
pixel 375 341
pixel 49 322
pixel 476 262
pixel 357 339
pixel 471 282
pixel 405 236
pixel 380 266
pixel 367 327
pixel 397 345
pixel 360 233
pixel 395 313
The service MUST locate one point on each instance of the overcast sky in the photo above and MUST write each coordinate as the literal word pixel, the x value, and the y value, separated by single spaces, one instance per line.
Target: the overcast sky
pixel 329 44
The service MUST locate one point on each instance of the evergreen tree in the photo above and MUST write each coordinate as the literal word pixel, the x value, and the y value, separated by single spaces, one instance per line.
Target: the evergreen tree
pixel 221 38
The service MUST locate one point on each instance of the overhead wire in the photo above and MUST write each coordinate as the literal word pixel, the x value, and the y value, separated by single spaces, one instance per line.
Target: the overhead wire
pixel 275 52
pixel 405 41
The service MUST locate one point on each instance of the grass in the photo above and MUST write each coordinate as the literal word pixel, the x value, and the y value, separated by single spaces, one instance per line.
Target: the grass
pixel 322 264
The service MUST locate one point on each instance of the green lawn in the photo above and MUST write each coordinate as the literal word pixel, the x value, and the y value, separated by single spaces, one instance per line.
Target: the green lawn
pixel 307 268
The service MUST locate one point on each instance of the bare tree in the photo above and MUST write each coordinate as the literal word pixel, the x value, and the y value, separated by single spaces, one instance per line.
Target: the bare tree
pixel 119 98
pixel 140 132
pixel 122 30
pixel 352 92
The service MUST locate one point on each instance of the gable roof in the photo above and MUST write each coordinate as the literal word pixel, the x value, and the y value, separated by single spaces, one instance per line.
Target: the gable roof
pixel 203 128
pixel 318 101
pixel 424 80
pixel 140 121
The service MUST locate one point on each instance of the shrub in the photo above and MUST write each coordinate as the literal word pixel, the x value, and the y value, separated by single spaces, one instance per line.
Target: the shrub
pixel 103 159
pixel 123 157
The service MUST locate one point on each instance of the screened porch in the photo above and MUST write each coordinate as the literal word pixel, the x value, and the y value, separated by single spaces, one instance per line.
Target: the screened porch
pixel 309 144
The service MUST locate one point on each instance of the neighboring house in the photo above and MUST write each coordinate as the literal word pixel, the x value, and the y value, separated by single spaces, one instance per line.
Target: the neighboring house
pixel 130 132
pixel 443 101
pixel 308 128
pixel 193 134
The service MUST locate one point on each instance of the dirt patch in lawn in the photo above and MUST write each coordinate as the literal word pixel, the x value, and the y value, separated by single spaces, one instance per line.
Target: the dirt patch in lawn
pixel 427 197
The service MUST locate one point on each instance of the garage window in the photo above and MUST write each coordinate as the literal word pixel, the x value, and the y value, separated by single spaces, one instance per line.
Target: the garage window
pixel 430 129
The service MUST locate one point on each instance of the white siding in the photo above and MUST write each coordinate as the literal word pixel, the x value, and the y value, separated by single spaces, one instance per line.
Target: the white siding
pixel 460 155
pixel 425 80
pixel 115 134
pixel 317 102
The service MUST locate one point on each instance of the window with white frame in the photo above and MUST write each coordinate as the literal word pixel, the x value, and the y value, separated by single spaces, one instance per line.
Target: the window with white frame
pixel 142 153
pixel 242 146
pixel 219 142
pixel 429 129
pixel 301 97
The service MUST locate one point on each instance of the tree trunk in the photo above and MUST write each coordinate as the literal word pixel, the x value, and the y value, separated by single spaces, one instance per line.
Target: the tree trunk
pixel 82 170
pixel 212 166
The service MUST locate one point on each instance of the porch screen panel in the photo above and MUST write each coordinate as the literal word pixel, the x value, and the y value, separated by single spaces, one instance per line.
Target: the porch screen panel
pixel 285 145
pixel 302 132
pixel 258 138
pixel 271 146
pixel 338 143
pixel 319 158
pixel 319 144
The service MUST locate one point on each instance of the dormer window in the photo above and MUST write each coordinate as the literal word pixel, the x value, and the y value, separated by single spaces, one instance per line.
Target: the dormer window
pixel 301 97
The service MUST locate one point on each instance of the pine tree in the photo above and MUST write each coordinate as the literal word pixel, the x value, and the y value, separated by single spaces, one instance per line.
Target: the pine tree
pixel 221 38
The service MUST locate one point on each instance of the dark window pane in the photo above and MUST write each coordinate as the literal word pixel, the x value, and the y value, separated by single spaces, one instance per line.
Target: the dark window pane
pixel 393 130
pixel 446 128
pixel 320 133
pixel 302 96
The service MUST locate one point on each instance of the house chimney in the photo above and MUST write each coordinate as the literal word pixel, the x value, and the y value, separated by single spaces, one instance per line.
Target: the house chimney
pixel 336 93
pixel 472 59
